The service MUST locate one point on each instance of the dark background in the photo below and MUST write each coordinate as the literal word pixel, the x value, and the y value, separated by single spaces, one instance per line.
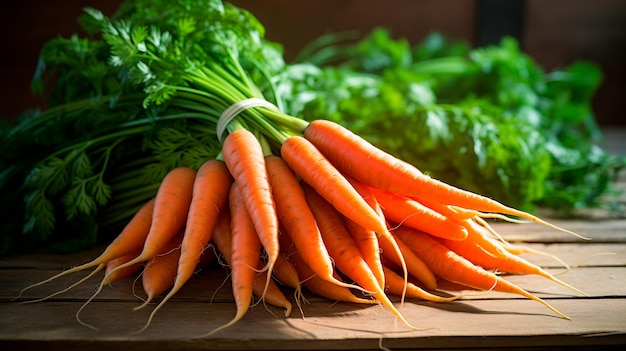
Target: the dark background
pixel 553 32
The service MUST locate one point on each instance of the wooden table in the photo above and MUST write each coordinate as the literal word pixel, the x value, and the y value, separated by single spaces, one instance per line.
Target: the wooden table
pixel 478 322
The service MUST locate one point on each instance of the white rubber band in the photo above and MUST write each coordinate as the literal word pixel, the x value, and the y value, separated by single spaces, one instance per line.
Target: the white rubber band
pixel 235 109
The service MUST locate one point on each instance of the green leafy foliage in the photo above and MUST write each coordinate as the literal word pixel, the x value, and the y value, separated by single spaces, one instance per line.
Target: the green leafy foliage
pixel 140 95
pixel 486 119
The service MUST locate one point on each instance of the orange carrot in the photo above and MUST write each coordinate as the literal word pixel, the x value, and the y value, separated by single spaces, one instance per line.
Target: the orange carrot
pixel 358 158
pixel 130 239
pixel 296 217
pixel 395 285
pixel 367 241
pixel 446 264
pixel 487 254
pixel 321 287
pixel 245 250
pixel 406 211
pixel 344 250
pixel 415 266
pixel 209 196
pixel 245 160
pixel 285 270
pixel 123 273
pixel 518 249
pixel 222 238
pixel 270 293
pixel 170 211
pixel 168 218
pixel 308 163
pixel 286 273
pixel 159 272
pixel 388 241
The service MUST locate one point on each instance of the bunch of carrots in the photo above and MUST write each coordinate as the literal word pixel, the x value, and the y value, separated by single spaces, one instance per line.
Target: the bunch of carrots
pixel 324 211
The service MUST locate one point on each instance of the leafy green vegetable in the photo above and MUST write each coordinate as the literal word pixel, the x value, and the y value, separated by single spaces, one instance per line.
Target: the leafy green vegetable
pixel 140 95
pixel 487 119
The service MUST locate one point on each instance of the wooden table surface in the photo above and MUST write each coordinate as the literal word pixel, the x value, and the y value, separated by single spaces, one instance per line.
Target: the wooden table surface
pixel 479 321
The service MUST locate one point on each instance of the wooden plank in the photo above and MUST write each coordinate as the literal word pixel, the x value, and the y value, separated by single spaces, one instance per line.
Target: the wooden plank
pixel 210 286
pixel 611 230
pixel 577 254
pixel 483 324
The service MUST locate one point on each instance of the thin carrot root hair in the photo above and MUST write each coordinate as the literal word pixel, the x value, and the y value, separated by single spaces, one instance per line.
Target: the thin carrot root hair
pixel 414 265
pixel 164 223
pixel 585 260
pixel 517 249
pixel 91 274
pixel 469 213
pixel 159 273
pixel 129 240
pixel 448 265
pixel 513 248
pixel 269 292
pixel 396 286
pixel 490 255
pixel 121 274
